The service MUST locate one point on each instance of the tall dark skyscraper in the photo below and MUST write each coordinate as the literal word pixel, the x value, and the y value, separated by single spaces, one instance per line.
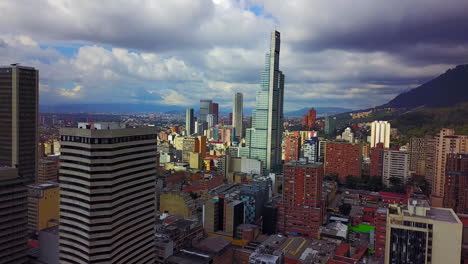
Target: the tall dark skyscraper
pixel 263 140
pixel 189 121
pixel 206 107
pixel 237 113
pixel 19 93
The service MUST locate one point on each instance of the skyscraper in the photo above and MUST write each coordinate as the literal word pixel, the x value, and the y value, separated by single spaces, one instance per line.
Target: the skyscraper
pixel 206 107
pixel 189 121
pixel 107 194
pixel 446 142
pixel 238 113
pixel 19 92
pixel 263 140
pixel 330 125
pixel 13 217
pixel 380 133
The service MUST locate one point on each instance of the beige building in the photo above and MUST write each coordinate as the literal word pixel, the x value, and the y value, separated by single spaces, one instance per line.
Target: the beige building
pixel 190 144
pixel 419 233
pixel 380 133
pixel 13 217
pixel 47 171
pixel 107 194
pixel 179 204
pixel 446 142
pixel 43 206
pixel 195 161
pixel 422 157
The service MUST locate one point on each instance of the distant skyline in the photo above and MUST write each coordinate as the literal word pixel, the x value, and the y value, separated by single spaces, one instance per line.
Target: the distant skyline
pixel 353 54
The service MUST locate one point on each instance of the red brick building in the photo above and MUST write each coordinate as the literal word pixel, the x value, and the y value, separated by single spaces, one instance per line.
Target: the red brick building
pixel 343 159
pixel 380 232
pixel 308 120
pixel 376 158
pixel 300 212
pixel 293 147
pixel 456 183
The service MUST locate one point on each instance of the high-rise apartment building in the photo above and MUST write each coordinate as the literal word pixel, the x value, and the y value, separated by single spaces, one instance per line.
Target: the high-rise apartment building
pixel 446 142
pixel 395 165
pixel 293 147
pixel 107 194
pixel 330 125
pixel 380 133
pixel 43 206
pixel 422 234
pixel 191 144
pixel 422 157
pixel 300 212
pixel 189 121
pixel 263 140
pixel 343 159
pixel 13 217
pixel 238 114
pixel 456 183
pixel 19 93
pixel 47 171
pixel 310 149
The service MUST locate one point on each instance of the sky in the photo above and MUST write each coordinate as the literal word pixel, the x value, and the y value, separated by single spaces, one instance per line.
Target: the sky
pixel 342 53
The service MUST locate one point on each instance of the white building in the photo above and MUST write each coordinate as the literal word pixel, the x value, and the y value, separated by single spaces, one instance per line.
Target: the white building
pixel 380 133
pixel 395 164
pixel 348 135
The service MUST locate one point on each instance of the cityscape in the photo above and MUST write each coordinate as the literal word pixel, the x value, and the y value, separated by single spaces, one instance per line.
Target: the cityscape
pixel 173 162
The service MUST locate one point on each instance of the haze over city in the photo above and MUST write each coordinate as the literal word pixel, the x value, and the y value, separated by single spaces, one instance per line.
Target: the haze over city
pixel 352 54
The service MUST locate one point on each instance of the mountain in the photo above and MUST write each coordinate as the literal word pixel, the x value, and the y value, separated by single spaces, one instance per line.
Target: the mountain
pixel 446 90
pixel 320 111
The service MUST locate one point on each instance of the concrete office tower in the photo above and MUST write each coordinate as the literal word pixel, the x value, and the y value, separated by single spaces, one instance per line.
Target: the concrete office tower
pixel 301 212
pixel 238 113
pixel 263 140
pixel 19 94
pixel 47 171
pixel 13 217
pixel 422 234
pixel 189 121
pixel 395 165
pixel 107 194
pixel 206 107
pixel 210 120
pixel 446 142
pixel 311 148
pixel 380 133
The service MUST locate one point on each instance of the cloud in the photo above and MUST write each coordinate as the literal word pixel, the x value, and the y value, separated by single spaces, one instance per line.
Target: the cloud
pixel 334 53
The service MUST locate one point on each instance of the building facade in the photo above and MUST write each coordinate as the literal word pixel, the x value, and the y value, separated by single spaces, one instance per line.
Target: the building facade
pixel 456 183
pixel 238 114
pixel 300 212
pixel 13 217
pixel 446 142
pixel 107 194
pixel 43 206
pixel 293 147
pixel 189 121
pixel 19 93
pixel 395 165
pixel 422 234
pixel 263 140
pixel 311 149
pixel 380 133
pixel 343 159
pixel 47 171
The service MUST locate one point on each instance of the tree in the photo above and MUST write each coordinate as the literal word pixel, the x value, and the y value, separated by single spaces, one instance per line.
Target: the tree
pixel 351 181
pixel 394 181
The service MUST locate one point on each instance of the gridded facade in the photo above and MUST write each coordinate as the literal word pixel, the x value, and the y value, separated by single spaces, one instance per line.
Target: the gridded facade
pixel 293 147
pixel 13 217
pixel 456 183
pixel 311 147
pixel 301 212
pixel 263 140
pixel 395 165
pixel 19 91
pixel 47 171
pixel 107 195
pixel 238 114
pixel 343 159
